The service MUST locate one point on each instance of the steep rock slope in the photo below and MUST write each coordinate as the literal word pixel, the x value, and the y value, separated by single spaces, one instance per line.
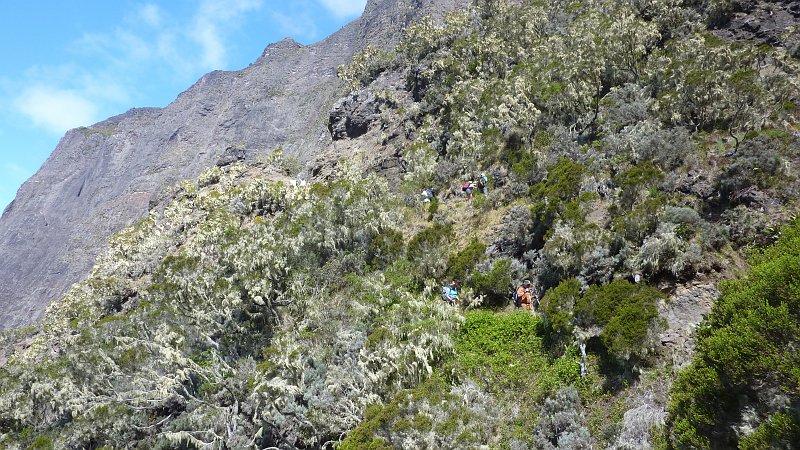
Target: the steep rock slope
pixel 104 177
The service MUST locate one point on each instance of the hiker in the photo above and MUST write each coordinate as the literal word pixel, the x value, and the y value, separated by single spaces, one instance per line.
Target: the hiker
pixel 523 297
pixel 450 293
pixel 427 195
pixel 483 183
pixel 468 187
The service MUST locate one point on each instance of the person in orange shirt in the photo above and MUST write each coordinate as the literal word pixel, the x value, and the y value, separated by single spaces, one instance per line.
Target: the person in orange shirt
pixel 524 296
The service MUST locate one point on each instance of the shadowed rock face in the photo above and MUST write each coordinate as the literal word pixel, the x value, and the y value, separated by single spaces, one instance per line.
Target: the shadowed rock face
pixel 102 178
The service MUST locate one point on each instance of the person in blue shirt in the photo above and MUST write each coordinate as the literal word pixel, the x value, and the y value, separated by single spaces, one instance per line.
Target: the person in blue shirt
pixel 483 184
pixel 450 293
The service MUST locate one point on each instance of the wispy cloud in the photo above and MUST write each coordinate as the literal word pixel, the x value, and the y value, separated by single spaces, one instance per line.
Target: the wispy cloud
pixel 150 14
pixel 56 110
pixel 208 22
pixel 345 8
pixel 299 25
pixel 57 98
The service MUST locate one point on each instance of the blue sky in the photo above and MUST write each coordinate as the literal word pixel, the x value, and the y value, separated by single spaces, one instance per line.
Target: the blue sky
pixel 69 64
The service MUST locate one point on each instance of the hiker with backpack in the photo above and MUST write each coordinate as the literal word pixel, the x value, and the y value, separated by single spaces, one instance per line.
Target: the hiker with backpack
pixel 483 184
pixel 467 188
pixel 523 296
pixel 450 293
pixel 427 195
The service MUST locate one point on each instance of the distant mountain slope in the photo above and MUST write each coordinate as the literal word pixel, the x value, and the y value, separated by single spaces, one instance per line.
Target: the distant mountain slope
pixel 104 177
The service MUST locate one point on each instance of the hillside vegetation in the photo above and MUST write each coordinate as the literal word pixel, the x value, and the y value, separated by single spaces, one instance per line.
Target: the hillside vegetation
pixel 630 152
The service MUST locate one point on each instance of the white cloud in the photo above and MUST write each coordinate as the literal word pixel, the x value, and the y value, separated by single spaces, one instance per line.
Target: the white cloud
pixel 206 26
pixel 151 15
pixel 56 110
pixel 110 65
pixel 299 25
pixel 345 8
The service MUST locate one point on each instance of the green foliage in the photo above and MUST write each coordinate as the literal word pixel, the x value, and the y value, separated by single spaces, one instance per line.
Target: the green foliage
pixel 502 350
pixel 642 176
pixel 250 313
pixel 41 443
pixel 168 331
pixel 367 64
pixel 432 239
pixel 433 207
pixel 385 248
pixel 745 347
pixel 495 283
pixel 558 306
pixel 428 250
pixel 624 313
pixel 434 414
pixel 635 224
pixel 782 430
pixel 363 436
pixel 461 264
pixel 563 181
pixel 504 353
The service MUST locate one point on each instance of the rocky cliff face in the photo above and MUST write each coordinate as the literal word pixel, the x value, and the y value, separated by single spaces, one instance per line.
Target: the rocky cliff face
pixel 102 178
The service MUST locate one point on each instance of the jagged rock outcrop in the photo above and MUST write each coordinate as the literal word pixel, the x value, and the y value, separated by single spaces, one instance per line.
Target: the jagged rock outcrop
pixel 352 115
pixel 773 22
pixel 102 178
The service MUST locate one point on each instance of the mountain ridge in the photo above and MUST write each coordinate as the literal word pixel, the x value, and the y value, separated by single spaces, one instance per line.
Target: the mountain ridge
pixel 103 177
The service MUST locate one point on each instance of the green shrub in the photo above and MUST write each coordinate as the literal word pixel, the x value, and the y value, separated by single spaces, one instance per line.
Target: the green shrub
pixel 363 436
pixel 501 351
pixel 41 443
pixel 631 181
pixel 627 333
pixel 461 264
pixel 756 163
pixel 558 309
pixel 745 357
pixel 433 207
pixel 400 274
pixel 494 284
pixel 429 250
pixel 782 430
pixel 431 239
pixel 385 248
pixel 563 181
pixel 635 224
pixel 624 312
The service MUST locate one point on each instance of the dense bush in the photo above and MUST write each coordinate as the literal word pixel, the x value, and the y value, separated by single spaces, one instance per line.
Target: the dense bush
pixel 461 264
pixel 494 283
pixel 754 164
pixel 745 373
pixel 429 250
pixel 385 248
pixel 561 424
pixel 624 315
pixel 236 329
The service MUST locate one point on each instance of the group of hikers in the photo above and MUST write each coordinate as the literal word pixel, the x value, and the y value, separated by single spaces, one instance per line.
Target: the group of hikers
pixel 524 296
pixel 481 184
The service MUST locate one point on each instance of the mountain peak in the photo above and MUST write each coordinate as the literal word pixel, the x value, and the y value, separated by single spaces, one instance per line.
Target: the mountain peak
pixel 279 49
